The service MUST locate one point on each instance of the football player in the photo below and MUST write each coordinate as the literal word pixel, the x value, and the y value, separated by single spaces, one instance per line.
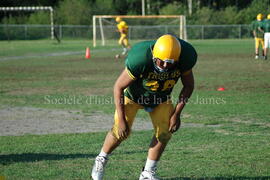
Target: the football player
pixel 266 29
pixel 258 35
pixel 122 28
pixel 152 70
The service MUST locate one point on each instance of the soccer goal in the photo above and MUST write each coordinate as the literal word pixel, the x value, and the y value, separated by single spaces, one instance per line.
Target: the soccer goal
pixel 140 27
pixel 34 8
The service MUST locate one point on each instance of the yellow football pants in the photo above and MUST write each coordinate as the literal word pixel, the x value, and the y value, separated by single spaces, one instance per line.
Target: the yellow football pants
pixel 258 42
pixel 160 117
pixel 123 40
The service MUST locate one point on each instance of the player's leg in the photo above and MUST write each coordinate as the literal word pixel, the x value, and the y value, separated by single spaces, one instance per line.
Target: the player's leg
pixel 261 43
pixel 131 109
pixel 160 119
pixel 266 43
pixel 112 139
pixel 125 46
pixel 121 43
pixel 256 48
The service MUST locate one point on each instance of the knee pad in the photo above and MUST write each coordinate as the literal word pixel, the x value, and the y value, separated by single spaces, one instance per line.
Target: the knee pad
pixel 114 132
pixel 164 137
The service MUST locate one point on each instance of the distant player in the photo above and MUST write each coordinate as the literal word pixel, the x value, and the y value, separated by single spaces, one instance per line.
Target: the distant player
pixel 152 70
pixel 266 29
pixel 122 28
pixel 258 35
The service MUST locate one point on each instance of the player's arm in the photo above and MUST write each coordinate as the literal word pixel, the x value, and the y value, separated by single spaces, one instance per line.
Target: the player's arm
pixel 254 34
pixel 118 28
pixel 122 31
pixel 123 81
pixel 260 28
pixel 253 30
pixel 188 86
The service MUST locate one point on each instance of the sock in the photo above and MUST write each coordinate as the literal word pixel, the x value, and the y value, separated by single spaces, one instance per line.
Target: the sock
pixel 124 51
pixel 103 154
pixel 150 165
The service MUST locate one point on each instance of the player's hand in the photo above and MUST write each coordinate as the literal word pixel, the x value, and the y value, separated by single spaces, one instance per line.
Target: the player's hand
pixel 175 123
pixel 123 130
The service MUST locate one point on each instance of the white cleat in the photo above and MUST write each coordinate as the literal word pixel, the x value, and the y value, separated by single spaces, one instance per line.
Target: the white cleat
pixel 117 56
pixel 98 168
pixel 148 175
pixel 256 57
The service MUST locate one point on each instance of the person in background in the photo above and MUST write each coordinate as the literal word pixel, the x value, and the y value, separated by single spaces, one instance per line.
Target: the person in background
pixel 266 30
pixel 122 28
pixel 258 34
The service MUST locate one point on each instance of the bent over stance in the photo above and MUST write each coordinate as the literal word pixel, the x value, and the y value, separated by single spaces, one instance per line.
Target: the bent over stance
pixel 152 70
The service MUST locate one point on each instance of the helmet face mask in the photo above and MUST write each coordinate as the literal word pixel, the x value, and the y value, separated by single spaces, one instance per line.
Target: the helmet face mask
pixel 170 61
pixel 163 66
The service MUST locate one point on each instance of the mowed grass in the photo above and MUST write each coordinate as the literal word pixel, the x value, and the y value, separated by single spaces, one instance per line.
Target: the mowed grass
pixel 231 140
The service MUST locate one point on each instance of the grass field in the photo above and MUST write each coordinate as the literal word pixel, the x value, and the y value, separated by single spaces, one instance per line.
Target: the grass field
pixel 228 136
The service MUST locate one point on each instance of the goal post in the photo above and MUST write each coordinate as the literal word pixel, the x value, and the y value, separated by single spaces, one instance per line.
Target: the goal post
pixel 33 8
pixel 180 18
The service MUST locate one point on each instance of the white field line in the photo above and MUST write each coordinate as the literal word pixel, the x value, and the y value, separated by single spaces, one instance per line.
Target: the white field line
pixel 66 53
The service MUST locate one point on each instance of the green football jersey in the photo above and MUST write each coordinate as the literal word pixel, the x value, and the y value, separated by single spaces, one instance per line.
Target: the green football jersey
pixel 152 87
pixel 255 27
pixel 266 25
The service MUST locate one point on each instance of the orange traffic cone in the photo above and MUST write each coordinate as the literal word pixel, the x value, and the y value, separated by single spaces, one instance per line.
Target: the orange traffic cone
pixel 87 53
pixel 221 89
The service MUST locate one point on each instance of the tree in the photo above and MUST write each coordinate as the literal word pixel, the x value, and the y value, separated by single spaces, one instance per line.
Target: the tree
pixel 203 16
pixel 77 12
pixel 174 8
pixel 104 7
pixel 41 17
pixel 257 6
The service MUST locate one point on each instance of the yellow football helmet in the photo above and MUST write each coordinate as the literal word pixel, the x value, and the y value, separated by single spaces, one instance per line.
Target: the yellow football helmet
pixel 268 16
pixel 259 17
pixel 118 19
pixel 167 48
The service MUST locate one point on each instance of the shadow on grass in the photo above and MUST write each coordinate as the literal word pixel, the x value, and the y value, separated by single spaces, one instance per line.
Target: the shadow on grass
pixel 33 157
pixel 222 178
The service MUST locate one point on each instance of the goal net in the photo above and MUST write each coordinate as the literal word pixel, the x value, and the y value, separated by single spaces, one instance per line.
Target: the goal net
pixel 33 8
pixel 140 27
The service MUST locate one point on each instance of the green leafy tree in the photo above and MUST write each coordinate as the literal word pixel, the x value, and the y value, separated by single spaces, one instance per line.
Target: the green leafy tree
pixel 9 19
pixel 204 15
pixel 105 7
pixel 175 8
pixel 77 12
pixel 257 6
pixel 227 16
pixel 120 6
pixel 42 17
